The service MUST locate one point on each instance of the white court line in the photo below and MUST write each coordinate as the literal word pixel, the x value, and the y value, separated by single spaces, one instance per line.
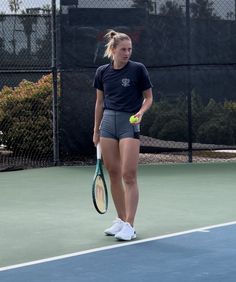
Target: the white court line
pixel 201 229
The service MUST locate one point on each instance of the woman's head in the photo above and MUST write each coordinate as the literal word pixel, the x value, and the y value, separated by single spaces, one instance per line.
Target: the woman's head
pixel 118 47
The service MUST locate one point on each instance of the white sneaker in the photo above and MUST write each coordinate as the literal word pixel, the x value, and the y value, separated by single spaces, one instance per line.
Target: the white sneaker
pixel 127 233
pixel 115 228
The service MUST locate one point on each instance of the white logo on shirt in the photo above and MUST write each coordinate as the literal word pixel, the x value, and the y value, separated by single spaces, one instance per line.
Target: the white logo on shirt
pixel 125 82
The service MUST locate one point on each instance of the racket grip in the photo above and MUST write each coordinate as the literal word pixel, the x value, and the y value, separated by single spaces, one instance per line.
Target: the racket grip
pixel 99 151
pixel 137 127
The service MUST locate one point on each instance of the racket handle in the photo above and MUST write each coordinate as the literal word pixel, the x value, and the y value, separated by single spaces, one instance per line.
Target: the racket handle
pixel 99 151
pixel 136 127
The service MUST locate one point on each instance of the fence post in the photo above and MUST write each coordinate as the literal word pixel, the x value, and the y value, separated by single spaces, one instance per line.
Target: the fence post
pixel 189 96
pixel 54 87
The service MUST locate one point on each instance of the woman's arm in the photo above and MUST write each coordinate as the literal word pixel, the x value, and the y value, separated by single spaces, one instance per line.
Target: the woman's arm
pixel 147 102
pixel 98 115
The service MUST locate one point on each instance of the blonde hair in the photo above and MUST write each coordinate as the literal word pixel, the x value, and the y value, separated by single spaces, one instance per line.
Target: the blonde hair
pixel 113 38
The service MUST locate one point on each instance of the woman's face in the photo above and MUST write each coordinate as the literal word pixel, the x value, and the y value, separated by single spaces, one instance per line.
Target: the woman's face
pixel 122 52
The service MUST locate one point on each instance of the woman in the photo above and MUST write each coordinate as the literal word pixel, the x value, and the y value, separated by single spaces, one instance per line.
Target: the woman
pixel 123 88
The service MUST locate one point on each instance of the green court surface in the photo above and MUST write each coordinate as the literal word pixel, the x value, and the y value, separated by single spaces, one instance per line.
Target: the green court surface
pixel 48 212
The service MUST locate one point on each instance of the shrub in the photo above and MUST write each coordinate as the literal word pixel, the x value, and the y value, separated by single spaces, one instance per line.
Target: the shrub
pixel 26 117
pixel 216 131
pixel 213 123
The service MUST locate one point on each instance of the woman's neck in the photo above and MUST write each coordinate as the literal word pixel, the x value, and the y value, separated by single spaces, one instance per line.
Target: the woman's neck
pixel 118 65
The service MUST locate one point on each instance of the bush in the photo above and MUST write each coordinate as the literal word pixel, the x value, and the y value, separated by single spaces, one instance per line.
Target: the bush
pixel 216 131
pixel 174 130
pixel 213 123
pixel 167 120
pixel 26 117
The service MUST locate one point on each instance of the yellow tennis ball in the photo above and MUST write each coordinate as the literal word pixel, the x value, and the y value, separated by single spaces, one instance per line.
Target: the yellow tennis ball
pixel 133 119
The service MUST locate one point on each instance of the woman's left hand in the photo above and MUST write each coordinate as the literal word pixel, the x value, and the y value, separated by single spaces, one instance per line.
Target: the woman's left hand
pixel 138 115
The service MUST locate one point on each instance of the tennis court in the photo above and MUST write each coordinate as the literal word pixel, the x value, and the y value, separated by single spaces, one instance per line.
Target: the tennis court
pixel 185 226
pixel 186 220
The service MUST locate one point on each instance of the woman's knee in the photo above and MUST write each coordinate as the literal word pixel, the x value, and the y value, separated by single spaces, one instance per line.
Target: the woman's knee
pixel 129 177
pixel 114 173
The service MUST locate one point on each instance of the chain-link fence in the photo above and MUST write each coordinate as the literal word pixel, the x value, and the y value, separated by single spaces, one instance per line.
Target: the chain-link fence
pixel 26 104
pixel 188 47
pixel 25 34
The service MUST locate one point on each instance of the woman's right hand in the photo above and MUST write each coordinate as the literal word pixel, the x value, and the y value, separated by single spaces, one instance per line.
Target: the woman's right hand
pixel 96 138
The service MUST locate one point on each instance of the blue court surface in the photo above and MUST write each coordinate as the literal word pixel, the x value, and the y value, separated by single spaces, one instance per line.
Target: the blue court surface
pixel 205 254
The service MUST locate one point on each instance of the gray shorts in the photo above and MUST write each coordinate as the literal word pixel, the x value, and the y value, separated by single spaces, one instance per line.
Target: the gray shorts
pixel 116 125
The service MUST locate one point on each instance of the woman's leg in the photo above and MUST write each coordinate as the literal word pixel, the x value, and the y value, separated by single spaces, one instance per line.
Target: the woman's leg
pixel 112 162
pixel 129 154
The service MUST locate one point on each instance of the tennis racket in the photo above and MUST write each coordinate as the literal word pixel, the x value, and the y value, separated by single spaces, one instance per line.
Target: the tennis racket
pixel 99 188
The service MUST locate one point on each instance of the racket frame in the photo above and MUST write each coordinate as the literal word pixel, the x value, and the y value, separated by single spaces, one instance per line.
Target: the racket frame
pixel 99 173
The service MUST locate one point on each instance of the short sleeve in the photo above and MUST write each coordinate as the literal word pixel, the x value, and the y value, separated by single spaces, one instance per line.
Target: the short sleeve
pixel 145 82
pixel 97 83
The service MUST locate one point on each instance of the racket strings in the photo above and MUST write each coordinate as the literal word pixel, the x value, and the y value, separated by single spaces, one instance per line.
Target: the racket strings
pixel 100 196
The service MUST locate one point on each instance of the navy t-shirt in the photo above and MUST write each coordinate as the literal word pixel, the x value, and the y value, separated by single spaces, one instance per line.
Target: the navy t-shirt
pixel 123 87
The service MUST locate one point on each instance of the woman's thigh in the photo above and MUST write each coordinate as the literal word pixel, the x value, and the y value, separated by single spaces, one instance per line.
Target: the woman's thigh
pixel 129 154
pixel 111 154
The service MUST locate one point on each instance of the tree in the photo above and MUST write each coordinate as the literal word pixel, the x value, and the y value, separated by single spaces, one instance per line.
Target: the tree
pixel 148 4
pixel 203 9
pixel 44 43
pixel 14 7
pixel 206 33
pixel 46 9
pixel 170 26
pixel 172 9
pixel 2 39
pixel 28 22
